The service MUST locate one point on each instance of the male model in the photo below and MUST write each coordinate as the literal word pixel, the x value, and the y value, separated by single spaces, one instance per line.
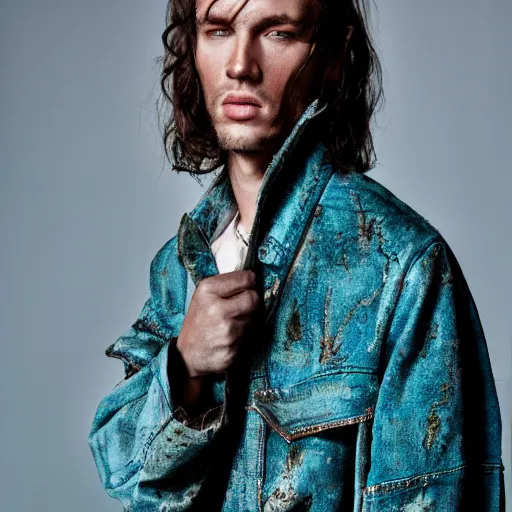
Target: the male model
pixel 310 341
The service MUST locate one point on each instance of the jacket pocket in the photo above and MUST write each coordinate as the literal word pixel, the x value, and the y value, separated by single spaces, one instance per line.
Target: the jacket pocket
pixel 475 487
pixel 318 403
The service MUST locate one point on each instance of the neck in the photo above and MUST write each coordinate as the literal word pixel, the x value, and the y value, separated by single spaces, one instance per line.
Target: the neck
pixel 246 172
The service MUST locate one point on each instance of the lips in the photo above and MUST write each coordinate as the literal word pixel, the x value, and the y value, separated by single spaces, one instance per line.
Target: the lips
pixel 241 107
pixel 239 99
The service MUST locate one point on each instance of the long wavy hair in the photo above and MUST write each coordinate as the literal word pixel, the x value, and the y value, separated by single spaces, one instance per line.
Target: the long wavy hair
pixel 189 139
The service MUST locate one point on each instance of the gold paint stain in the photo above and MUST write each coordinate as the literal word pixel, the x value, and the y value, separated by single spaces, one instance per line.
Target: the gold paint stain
pixel 433 427
pixel 344 261
pixel 281 500
pixel 433 420
pixel 294 458
pixel 293 326
pixel 331 345
pixel 430 260
pixel 272 290
pixel 326 344
pixel 431 335
pixel 365 227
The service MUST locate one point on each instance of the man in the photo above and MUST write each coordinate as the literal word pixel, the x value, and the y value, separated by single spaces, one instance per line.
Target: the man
pixel 337 362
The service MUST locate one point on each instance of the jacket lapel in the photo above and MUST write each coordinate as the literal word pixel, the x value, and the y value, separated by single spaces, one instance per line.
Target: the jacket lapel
pixel 195 250
pixel 291 216
pixel 200 227
pixel 286 203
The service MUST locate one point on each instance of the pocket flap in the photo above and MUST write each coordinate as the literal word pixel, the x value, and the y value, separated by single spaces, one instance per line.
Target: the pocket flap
pixel 318 403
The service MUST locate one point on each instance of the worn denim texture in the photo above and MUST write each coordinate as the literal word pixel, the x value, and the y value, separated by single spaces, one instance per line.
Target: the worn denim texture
pixel 367 386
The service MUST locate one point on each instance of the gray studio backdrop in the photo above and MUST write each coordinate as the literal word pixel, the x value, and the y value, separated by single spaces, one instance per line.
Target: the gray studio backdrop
pixel 86 201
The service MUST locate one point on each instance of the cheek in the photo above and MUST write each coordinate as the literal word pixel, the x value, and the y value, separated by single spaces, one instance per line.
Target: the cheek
pixel 280 67
pixel 208 74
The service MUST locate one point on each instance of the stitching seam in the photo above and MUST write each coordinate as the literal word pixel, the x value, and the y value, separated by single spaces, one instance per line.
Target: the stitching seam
pixel 421 480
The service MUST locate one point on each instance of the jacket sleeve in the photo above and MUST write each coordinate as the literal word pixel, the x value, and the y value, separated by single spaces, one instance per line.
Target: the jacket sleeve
pixel 145 452
pixel 436 436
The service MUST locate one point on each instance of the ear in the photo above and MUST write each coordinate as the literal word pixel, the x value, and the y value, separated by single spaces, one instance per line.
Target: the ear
pixel 332 73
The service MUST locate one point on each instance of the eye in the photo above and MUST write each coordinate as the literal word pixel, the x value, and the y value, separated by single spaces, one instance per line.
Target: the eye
pixel 218 32
pixel 282 34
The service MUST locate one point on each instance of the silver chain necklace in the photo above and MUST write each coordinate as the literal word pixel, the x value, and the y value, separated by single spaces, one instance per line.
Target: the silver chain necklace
pixel 240 235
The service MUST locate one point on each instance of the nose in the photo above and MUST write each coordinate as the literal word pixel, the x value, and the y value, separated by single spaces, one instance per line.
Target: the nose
pixel 243 63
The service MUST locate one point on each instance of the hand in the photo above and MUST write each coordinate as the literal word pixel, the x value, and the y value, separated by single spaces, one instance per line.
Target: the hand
pixel 219 315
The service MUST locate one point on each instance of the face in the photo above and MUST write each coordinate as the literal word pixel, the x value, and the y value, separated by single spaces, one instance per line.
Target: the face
pixel 247 55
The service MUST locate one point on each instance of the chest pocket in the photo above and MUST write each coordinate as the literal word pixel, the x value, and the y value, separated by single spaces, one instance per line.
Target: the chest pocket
pixel 318 403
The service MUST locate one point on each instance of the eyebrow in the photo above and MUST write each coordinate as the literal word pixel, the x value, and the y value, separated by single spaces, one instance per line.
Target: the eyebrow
pixel 264 23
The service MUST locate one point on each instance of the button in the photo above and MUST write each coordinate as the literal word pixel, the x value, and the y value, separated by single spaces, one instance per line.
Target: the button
pixel 271 252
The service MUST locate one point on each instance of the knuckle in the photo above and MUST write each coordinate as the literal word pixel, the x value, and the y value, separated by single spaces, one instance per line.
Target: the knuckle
pixel 204 286
pixel 214 310
pixel 250 277
pixel 250 300
pixel 255 298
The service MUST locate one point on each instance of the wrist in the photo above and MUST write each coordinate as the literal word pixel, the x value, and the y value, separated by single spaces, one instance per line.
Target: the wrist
pixel 186 389
pixel 192 391
pixel 190 372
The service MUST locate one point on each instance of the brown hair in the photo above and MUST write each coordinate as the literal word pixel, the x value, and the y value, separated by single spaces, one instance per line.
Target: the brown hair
pixel 189 139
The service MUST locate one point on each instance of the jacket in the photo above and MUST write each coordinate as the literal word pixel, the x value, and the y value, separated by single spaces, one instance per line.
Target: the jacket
pixel 366 387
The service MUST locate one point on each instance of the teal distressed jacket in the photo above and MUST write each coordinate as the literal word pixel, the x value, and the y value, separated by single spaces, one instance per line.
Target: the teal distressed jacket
pixel 366 386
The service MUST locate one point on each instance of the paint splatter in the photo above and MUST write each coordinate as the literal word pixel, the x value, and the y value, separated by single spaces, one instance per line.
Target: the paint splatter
pixel 293 326
pixel 433 420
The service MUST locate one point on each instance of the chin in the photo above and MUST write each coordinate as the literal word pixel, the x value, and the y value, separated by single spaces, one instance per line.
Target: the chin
pixel 246 138
pixel 241 144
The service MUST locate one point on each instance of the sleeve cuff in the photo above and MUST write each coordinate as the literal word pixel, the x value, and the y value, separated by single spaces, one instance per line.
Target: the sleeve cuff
pixel 168 368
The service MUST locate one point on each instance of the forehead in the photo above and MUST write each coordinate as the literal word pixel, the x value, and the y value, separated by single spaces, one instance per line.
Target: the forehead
pixel 247 10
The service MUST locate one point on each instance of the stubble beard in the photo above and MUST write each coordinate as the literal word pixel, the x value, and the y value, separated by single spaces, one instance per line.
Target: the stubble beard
pixel 241 144
pixel 230 141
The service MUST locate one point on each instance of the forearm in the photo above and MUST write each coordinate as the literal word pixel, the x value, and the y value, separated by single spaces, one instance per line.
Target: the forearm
pixel 186 391
pixel 134 425
pixel 193 397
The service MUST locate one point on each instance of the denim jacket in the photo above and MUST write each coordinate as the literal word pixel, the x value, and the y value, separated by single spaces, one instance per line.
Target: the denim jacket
pixel 366 386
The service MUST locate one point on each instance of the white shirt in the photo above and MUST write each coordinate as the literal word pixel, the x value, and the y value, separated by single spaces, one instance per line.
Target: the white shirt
pixel 229 247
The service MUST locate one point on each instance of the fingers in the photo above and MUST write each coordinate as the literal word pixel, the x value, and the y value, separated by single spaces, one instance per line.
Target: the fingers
pixel 228 284
pixel 241 305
